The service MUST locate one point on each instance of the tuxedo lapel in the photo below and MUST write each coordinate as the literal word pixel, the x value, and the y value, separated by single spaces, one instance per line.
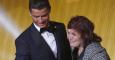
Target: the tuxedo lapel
pixel 36 36
pixel 39 40
pixel 57 44
pixel 57 38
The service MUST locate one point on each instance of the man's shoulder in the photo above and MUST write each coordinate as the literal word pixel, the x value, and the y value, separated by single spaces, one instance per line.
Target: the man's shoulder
pixel 57 24
pixel 25 33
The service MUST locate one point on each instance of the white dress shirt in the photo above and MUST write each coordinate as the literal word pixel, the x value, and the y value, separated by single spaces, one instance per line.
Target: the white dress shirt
pixel 50 39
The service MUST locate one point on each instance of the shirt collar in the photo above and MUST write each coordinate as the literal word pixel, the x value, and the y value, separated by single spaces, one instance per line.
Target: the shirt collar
pixel 37 27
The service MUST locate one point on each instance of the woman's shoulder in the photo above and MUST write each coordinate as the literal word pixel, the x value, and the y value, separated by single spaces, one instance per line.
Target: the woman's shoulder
pixel 95 49
pixel 94 46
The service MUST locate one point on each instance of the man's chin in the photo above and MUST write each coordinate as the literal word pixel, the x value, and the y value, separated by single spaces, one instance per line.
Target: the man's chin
pixel 43 26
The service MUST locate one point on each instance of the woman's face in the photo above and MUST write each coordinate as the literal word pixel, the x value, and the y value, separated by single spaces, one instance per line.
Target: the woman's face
pixel 74 38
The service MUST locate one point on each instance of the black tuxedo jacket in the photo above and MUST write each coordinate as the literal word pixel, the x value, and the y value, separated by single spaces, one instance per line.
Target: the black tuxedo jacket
pixel 30 45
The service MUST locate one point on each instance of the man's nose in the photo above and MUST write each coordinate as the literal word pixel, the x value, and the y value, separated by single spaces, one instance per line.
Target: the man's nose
pixel 40 18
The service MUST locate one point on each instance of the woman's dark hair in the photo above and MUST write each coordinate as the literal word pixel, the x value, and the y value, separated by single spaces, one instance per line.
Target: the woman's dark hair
pixel 85 27
pixel 39 4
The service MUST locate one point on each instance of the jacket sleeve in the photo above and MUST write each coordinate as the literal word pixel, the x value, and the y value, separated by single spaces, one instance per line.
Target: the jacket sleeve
pixel 22 49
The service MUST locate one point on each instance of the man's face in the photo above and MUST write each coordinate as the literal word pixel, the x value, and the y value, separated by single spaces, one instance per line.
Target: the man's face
pixel 40 17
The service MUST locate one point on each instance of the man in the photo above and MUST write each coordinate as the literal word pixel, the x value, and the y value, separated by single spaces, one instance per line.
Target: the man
pixel 44 39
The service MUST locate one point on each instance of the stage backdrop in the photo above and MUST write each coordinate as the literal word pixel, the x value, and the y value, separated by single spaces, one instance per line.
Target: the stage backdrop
pixel 15 18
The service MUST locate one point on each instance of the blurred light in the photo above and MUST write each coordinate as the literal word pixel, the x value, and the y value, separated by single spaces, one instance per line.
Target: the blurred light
pixel 7 23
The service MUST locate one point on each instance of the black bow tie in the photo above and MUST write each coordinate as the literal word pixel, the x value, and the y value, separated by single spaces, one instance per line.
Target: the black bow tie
pixel 49 29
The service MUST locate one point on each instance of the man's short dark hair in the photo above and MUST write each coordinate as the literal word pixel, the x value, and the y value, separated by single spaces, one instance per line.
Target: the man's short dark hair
pixel 39 4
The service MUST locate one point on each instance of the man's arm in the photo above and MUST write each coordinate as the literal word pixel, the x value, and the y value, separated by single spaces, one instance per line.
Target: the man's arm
pixel 22 49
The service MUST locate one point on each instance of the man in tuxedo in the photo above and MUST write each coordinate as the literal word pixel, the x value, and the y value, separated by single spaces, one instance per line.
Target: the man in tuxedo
pixel 44 39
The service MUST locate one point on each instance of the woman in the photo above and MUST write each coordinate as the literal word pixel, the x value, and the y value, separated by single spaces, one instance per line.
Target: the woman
pixel 84 41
